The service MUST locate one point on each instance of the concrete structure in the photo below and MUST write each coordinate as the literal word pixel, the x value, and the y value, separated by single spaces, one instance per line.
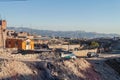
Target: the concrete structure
pixel 3 24
pixel 66 47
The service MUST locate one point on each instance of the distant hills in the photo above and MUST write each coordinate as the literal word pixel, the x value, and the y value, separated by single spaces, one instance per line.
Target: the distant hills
pixel 70 34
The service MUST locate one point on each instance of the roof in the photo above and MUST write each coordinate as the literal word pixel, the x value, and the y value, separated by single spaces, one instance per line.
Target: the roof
pixel 42 38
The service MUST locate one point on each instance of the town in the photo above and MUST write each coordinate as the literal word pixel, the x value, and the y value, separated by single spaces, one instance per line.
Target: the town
pixel 59 40
pixel 57 58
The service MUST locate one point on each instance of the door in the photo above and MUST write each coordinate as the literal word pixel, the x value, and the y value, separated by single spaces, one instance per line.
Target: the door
pixel 28 45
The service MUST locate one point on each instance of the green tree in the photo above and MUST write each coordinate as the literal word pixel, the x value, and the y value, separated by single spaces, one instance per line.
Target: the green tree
pixel 94 44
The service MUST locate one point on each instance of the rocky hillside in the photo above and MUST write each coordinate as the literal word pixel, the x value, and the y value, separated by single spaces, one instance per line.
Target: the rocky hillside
pixel 48 67
pixel 66 70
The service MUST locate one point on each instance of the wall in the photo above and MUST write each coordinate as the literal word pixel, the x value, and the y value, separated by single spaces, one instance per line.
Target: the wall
pixel 83 53
pixel 3 24
pixel 13 43
pixel 64 46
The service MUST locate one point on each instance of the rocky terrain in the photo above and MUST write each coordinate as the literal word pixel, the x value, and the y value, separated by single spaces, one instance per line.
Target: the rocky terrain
pixel 115 64
pixel 49 66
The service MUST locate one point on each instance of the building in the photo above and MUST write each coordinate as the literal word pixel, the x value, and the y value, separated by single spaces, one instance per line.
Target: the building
pixel 21 44
pixel 3 24
pixel 41 40
pixel 11 34
pixel 22 34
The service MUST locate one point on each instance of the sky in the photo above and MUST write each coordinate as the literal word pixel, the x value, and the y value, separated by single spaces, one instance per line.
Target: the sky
pixel 101 16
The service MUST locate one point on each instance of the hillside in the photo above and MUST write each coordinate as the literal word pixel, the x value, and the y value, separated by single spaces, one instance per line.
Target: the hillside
pixel 70 34
pixel 50 68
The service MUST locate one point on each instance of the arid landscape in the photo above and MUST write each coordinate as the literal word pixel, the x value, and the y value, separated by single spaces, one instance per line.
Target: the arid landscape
pixel 59 39
pixel 48 66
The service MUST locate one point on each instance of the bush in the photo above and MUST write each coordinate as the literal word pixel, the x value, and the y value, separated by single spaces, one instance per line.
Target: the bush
pixel 94 44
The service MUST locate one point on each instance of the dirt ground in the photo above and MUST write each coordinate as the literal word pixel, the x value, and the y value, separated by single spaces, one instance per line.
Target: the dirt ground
pixel 105 71
pixel 50 68
pixel 65 70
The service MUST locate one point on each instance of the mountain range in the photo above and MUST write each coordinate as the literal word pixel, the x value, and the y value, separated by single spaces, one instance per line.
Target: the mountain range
pixel 69 34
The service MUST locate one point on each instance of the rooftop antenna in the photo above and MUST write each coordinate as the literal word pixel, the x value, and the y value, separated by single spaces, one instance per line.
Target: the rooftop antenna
pixel 4 17
pixel 30 28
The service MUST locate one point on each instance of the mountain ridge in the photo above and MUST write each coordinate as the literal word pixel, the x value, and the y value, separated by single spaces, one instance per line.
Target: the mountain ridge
pixel 70 34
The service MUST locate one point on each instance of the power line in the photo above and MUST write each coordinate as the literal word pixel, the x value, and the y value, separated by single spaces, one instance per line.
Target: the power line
pixel 11 0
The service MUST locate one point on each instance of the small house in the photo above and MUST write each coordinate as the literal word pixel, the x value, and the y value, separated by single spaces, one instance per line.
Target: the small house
pixel 21 44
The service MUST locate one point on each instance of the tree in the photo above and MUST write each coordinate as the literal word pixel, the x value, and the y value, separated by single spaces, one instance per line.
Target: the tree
pixel 94 44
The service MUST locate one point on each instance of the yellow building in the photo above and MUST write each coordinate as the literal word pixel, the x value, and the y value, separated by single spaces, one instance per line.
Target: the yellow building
pixel 26 44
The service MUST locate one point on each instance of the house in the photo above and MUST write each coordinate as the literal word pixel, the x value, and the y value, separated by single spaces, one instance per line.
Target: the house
pixel 22 34
pixel 41 40
pixel 11 34
pixel 20 44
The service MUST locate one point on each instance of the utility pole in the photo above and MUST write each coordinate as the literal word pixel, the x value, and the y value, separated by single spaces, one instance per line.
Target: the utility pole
pixel 68 46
